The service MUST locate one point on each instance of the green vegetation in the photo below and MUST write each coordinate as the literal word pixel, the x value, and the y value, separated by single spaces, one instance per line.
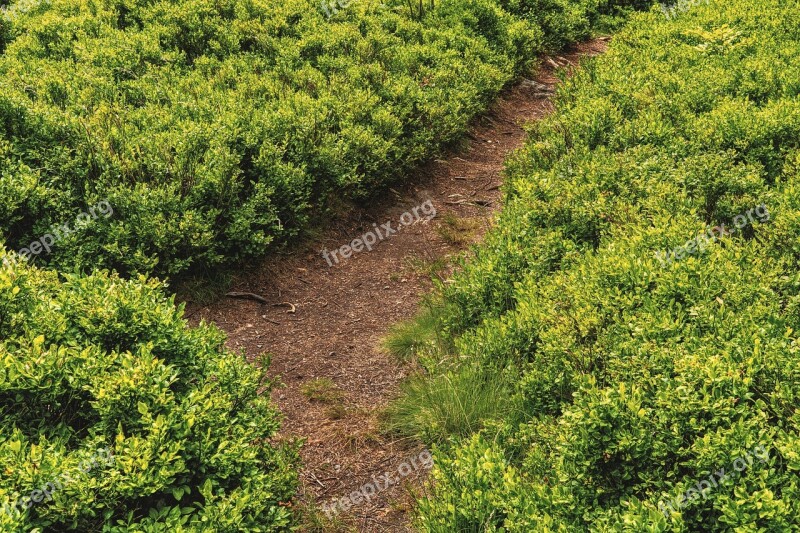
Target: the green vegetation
pixel 457 231
pixel 322 390
pixel 97 362
pixel 631 381
pixel 455 403
pixel 216 129
pixel 409 339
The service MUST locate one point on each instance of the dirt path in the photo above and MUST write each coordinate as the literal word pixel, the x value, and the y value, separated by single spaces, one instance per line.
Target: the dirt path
pixel 326 352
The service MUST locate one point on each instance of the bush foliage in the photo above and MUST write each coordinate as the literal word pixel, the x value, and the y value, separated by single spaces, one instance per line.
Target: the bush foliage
pixel 217 128
pixel 631 380
pixel 98 362
pixel 214 130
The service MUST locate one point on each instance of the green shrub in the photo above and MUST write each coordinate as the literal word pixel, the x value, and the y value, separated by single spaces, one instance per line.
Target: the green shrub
pixel 635 380
pixel 101 363
pixel 220 130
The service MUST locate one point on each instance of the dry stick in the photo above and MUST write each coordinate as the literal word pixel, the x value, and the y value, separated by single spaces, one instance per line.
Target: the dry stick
pixel 292 310
pixel 248 296
pixel 291 369
pixel 317 480
pixel 480 203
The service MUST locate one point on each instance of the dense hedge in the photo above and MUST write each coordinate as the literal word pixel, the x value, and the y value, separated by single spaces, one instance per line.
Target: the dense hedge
pixel 633 381
pixel 216 128
pixel 99 363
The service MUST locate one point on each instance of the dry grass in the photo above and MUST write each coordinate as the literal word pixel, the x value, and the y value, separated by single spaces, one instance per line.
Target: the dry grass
pixel 457 231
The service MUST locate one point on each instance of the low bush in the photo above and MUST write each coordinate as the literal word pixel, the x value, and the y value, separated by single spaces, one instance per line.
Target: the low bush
pixel 183 426
pixel 635 381
pixel 219 130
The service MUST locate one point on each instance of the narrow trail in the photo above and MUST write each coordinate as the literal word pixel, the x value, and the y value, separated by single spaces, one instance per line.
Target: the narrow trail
pixel 338 315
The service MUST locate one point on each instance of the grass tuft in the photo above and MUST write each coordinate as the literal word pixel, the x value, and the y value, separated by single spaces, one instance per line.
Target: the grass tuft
pixel 313 519
pixel 457 231
pixel 420 336
pixel 455 403
pixel 322 390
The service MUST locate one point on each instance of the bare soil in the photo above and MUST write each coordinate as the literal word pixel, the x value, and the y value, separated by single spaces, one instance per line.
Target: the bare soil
pixel 323 325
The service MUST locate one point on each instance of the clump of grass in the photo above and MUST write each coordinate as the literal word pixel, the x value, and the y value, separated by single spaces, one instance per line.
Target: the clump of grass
pixel 336 411
pixel 457 231
pixel 322 390
pixel 431 268
pixel 455 403
pixel 205 288
pixel 361 439
pixel 419 336
pixel 314 520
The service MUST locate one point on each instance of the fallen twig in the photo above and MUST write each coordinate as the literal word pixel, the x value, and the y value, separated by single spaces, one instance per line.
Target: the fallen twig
pixel 292 309
pixel 480 203
pixel 247 296
pixel 317 480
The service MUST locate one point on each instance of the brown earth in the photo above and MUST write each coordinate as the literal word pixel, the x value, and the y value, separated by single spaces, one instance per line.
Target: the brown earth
pixel 325 323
